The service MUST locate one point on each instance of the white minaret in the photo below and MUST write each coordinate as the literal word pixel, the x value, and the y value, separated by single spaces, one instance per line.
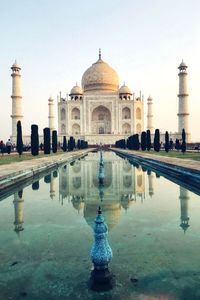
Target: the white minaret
pixel 51 114
pixel 16 100
pixel 150 114
pixel 183 112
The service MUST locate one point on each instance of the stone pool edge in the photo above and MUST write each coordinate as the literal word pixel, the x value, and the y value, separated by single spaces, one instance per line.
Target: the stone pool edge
pixel 17 177
pixel 180 173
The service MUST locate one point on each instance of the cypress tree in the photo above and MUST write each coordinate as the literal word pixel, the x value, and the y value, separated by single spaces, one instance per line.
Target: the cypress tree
pixel 171 144
pixel 54 141
pixel 166 141
pixel 157 140
pixel 47 145
pixel 134 142
pixel 64 144
pixel 19 138
pixel 148 140
pixel 143 140
pixel 177 145
pixel 34 140
pixel 183 146
pixel 71 144
pixel 128 142
pixel 137 143
pixel 79 144
pixel 131 142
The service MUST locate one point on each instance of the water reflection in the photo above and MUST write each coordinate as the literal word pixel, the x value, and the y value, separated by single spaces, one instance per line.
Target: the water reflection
pixel 150 182
pixel 19 211
pixel 78 184
pixel 184 198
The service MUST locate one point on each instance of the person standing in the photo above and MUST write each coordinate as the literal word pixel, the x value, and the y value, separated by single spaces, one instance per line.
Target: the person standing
pixel 2 147
pixel 8 146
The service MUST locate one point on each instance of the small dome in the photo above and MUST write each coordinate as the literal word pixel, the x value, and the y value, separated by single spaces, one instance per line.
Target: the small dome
pixel 149 98
pixel 124 89
pixel 100 76
pixel 182 65
pixel 15 65
pixel 50 98
pixel 76 90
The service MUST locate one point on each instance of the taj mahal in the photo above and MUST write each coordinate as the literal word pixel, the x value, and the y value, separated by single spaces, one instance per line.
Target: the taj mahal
pixel 100 111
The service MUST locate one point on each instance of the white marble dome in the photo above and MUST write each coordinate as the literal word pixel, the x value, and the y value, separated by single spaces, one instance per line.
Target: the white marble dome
pixel 76 90
pixel 100 77
pixel 124 89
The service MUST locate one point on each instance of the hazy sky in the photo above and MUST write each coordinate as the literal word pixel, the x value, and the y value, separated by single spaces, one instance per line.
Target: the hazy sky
pixel 55 41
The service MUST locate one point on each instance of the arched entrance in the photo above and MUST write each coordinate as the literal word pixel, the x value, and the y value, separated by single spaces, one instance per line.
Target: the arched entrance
pixel 101 120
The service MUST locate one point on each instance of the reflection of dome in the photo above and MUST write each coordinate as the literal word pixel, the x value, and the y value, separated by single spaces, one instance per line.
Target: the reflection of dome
pixel 108 174
pixel 76 90
pixel 78 203
pixel 126 201
pixel 111 211
pixel 77 167
pixel 124 89
pixel 100 76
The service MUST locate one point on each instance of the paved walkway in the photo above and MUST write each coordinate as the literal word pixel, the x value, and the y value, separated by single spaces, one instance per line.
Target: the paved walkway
pixel 12 173
pixel 184 163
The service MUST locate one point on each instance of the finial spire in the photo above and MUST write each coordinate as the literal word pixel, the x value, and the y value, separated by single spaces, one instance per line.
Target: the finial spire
pixel 99 211
pixel 99 53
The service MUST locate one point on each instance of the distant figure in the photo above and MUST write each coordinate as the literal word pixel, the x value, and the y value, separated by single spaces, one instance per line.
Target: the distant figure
pixel 2 147
pixel 41 146
pixel 8 146
pixel 171 144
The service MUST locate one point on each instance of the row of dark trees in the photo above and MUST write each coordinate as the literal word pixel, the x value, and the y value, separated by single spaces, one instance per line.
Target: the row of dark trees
pixel 69 145
pixel 133 142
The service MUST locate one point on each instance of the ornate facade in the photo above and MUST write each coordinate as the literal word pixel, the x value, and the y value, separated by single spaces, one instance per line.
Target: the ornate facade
pixel 100 111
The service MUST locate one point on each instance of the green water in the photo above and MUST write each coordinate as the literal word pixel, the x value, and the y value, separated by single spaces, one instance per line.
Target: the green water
pixel 46 234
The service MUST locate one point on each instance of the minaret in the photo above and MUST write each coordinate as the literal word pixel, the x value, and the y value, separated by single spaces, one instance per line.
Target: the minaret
pixel 51 114
pixel 184 208
pixel 19 206
pixel 150 114
pixel 183 112
pixel 16 100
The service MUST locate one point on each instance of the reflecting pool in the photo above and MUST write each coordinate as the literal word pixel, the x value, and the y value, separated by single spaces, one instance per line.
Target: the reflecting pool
pixel 46 234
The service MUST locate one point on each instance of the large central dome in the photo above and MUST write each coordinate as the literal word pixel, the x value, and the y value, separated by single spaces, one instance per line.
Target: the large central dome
pixel 100 77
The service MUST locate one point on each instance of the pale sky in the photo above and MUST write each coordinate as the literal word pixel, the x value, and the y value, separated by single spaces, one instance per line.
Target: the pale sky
pixel 55 41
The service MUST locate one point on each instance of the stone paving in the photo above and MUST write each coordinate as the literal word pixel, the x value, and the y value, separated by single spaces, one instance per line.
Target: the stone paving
pixel 16 172
pixel 184 163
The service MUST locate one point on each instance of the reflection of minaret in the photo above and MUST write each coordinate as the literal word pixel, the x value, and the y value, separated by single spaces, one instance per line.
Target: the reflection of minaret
pixel 19 217
pixel 184 208
pixel 63 182
pixel 139 183
pixel 150 180
pixel 52 187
